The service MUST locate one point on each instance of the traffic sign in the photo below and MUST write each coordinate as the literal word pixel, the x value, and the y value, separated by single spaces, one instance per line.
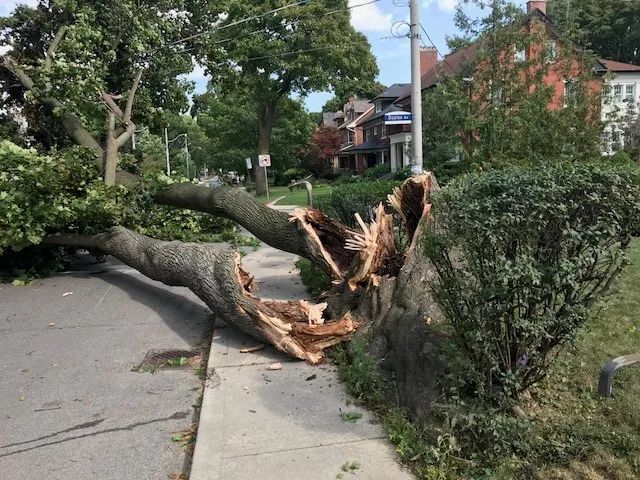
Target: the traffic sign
pixel 248 160
pixel 264 160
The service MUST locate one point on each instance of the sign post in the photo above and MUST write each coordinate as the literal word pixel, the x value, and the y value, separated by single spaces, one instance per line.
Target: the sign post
pixel 265 161
pixel 248 162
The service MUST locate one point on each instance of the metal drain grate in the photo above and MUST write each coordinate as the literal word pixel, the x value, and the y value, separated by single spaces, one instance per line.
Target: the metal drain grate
pixel 165 359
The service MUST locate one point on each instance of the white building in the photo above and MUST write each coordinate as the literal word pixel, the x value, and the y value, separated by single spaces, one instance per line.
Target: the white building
pixel 620 98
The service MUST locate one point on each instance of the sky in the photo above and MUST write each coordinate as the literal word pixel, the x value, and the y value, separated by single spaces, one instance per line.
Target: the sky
pixel 375 20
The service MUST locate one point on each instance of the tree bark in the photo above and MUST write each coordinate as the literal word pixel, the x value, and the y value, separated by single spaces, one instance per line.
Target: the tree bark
pixel 110 150
pixel 216 277
pixel 380 287
pixel 266 119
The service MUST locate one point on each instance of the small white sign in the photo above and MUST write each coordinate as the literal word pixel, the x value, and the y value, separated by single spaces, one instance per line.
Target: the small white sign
pixel 248 160
pixel 264 160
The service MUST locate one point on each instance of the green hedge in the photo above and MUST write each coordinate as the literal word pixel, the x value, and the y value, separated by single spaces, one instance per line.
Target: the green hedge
pixel 520 255
pixel 347 199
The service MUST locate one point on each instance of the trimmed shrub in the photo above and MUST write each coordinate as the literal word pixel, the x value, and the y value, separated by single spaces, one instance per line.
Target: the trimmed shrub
pixel 347 199
pixel 521 254
pixel 377 172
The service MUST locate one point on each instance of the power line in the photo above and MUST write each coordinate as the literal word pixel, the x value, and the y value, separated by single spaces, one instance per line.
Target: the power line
pixel 245 20
pixel 444 58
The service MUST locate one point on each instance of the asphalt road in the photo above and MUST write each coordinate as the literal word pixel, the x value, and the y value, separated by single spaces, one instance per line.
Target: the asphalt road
pixel 72 408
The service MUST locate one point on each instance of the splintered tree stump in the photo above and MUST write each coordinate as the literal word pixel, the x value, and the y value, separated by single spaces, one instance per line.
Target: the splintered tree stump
pixel 379 285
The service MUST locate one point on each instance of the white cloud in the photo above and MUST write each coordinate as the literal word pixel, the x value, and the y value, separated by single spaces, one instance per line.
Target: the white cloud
pixel 445 5
pixel 369 18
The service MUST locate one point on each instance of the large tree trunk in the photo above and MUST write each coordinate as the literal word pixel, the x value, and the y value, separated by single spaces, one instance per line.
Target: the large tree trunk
pixel 380 287
pixel 266 119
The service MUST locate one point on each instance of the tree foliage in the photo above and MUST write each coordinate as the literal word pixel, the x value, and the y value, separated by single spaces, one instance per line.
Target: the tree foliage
pixel 298 49
pixel 229 124
pixel 103 45
pixel 501 110
pixel 608 27
pixel 324 146
pixel 63 192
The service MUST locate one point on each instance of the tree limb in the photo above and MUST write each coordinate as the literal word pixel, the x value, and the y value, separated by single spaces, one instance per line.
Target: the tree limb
pixel 70 121
pixel 131 96
pixel 51 52
pixel 216 277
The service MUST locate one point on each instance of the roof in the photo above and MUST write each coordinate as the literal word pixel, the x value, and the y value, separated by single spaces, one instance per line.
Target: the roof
pixel 360 104
pixel 394 91
pixel 353 123
pixel 453 63
pixel 371 145
pixel 613 66
pixel 375 115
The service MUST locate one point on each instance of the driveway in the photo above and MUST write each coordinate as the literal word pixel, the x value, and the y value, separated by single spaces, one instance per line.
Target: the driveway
pixel 72 408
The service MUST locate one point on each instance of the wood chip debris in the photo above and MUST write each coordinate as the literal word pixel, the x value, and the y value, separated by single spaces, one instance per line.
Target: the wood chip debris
pixel 255 348
pixel 275 366
pixel 66 294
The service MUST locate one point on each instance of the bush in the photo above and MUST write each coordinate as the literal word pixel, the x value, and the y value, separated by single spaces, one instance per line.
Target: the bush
pixel 376 172
pixel 520 254
pixel 63 192
pixel 347 199
pixel 286 177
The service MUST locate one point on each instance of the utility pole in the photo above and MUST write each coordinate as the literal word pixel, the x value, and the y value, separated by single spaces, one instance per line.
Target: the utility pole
pixel 166 149
pixel 416 88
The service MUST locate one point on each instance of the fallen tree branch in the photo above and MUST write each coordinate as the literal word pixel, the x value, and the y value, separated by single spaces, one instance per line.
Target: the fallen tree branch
pixel 217 278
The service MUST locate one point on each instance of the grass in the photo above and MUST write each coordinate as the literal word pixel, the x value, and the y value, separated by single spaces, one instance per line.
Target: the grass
pixel 597 435
pixel 297 197
pixel 572 432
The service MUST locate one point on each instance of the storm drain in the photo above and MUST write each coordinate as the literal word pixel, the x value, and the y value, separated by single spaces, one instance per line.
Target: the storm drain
pixel 167 359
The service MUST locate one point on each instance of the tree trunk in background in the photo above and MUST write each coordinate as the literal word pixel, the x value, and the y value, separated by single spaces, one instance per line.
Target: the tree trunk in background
pixel 266 119
pixel 110 150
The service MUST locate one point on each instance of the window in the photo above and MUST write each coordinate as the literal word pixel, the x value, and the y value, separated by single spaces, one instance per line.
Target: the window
pixel 630 92
pixel 606 94
pixel 550 50
pixel 570 93
pixel 617 93
pixel 495 94
pixel 519 54
pixel 378 106
pixel 375 130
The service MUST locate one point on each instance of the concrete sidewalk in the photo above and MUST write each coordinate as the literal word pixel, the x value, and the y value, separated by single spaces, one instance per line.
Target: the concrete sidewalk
pixel 283 424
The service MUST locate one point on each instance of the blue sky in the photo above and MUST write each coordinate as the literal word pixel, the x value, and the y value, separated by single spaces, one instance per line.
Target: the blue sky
pixel 375 21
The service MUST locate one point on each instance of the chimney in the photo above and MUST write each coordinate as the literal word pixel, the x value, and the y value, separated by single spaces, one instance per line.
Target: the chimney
pixel 539 4
pixel 428 58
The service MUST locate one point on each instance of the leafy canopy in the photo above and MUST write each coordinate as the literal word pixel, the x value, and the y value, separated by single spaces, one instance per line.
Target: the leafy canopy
pixel 102 47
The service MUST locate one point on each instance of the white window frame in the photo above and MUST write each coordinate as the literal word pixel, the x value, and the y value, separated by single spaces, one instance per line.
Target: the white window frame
pixel 617 92
pixel 550 51
pixel 629 96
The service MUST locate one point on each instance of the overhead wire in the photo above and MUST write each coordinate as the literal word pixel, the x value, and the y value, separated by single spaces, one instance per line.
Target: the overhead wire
pixel 444 58
pixel 239 22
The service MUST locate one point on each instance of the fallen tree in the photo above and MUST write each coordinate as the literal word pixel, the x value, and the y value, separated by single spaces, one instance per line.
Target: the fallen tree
pixel 376 284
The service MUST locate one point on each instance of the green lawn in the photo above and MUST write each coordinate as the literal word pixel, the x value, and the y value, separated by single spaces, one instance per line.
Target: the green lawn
pixel 297 197
pixel 595 437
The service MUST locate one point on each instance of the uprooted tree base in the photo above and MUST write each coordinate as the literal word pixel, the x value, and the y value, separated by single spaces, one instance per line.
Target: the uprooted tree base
pixel 379 287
